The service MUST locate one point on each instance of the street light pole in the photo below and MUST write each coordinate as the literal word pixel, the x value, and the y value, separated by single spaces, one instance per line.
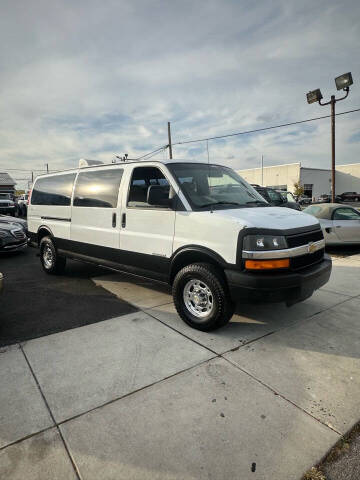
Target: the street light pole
pixel 332 103
pixel 333 172
pixel 342 82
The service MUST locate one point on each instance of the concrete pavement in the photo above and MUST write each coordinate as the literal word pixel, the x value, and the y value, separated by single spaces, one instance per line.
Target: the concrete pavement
pixel 143 396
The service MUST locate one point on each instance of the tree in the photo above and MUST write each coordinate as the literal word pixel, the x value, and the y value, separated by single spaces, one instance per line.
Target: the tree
pixel 298 189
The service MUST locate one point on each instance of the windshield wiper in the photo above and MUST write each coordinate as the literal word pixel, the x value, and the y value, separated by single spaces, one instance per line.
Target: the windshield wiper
pixel 258 202
pixel 219 203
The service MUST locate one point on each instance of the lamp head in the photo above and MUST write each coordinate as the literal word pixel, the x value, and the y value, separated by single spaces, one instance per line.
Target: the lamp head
pixel 343 81
pixel 314 96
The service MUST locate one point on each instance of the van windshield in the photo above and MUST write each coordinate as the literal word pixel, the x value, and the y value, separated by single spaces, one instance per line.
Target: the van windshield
pixel 214 187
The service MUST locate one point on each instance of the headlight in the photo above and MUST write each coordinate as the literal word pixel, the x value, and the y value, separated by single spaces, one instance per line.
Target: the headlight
pixel 264 242
pixel 4 233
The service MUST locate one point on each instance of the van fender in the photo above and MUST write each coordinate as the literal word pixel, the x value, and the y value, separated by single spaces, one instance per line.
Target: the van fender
pixel 45 230
pixel 194 254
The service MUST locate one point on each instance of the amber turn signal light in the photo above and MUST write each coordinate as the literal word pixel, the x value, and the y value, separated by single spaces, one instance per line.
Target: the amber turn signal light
pixel 267 264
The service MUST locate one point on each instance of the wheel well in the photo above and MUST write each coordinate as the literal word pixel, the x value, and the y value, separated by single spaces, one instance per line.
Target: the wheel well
pixel 189 257
pixel 42 232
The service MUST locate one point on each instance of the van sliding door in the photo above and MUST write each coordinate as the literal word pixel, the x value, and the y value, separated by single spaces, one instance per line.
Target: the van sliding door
pixel 95 221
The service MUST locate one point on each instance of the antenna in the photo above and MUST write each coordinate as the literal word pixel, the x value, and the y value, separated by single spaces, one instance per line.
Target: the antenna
pixel 122 159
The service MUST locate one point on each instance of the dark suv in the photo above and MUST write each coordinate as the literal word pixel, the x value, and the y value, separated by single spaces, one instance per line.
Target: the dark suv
pixel 349 197
pixel 275 198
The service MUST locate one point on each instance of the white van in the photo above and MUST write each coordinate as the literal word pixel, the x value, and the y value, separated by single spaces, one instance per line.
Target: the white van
pixel 199 227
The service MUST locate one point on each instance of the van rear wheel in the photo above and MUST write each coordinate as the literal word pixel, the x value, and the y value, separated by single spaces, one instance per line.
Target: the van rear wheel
pixel 50 260
pixel 201 297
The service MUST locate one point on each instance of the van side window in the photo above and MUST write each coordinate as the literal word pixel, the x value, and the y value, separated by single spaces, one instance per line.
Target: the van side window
pixel 55 190
pixel 98 188
pixel 142 179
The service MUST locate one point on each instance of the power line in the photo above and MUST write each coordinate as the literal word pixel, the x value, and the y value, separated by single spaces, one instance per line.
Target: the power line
pixel 154 151
pixel 263 129
pixel 24 169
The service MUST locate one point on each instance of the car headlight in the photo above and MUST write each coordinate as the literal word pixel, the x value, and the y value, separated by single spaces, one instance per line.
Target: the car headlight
pixel 4 233
pixel 264 242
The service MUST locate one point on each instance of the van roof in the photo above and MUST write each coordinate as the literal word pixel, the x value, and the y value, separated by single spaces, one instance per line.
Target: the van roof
pixel 127 162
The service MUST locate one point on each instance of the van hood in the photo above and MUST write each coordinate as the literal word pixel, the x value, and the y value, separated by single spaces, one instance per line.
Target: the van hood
pixel 269 217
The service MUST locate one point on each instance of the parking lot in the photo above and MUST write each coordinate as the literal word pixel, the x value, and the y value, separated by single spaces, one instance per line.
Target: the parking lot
pixel 103 380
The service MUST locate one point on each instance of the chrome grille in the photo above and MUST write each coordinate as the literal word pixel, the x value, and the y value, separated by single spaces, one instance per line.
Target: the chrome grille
pixel 19 234
pixel 296 263
pixel 304 238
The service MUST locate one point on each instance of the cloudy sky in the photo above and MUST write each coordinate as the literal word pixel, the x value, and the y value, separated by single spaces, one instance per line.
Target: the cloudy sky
pixel 85 78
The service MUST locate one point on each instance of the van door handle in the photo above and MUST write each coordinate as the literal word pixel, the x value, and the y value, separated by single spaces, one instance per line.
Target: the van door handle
pixel 123 220
pixel 114 220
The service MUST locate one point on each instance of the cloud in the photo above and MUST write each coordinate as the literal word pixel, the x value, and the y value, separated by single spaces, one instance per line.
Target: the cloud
pixel 90 79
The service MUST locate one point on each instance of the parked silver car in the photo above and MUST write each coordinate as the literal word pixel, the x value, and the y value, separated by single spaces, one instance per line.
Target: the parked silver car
pixel 340 223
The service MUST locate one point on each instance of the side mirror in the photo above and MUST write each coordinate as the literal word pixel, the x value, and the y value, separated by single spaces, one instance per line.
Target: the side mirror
pixel 158 195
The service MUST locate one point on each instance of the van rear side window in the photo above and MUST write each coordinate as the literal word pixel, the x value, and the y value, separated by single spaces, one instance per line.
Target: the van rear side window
pixel 98 188
pixel 54 190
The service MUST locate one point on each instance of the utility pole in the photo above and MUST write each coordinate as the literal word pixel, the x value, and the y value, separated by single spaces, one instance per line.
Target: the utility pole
pixel 169 137
pixel 262 170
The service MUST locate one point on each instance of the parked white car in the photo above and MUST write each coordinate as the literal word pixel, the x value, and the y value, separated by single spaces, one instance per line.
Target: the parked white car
pixel 199 227
pixel 340 223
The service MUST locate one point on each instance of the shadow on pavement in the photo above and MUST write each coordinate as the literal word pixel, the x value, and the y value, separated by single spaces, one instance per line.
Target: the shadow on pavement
pixel 34 304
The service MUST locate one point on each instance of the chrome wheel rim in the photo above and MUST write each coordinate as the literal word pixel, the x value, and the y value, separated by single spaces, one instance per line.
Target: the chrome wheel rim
pixel 48 257
pixel 198 298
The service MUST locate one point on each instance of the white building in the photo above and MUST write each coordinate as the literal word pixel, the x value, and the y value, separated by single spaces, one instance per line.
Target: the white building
pixel 315 181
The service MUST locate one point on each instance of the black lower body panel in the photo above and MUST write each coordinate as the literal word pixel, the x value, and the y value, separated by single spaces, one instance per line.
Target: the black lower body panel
pixel 289 287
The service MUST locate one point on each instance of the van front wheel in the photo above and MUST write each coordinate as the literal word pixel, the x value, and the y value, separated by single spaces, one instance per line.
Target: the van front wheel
pixel 201 297
pixel 50 260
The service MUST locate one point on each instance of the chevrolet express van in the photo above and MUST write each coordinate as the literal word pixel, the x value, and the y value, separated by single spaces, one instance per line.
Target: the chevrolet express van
pixel 199 227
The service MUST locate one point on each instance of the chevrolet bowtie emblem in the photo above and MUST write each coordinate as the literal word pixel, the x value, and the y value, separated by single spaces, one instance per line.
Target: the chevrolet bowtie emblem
pixel 311 247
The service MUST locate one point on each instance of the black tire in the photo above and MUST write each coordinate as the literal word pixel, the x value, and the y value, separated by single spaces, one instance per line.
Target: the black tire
pixel 222 307
pixel 51 262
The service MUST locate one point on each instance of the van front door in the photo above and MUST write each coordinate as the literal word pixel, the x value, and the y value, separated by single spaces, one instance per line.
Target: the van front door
pixel 147 231
pixel 95 213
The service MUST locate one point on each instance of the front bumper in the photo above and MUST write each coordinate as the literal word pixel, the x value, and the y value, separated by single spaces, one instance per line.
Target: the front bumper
pixel 287 286
pixel 6 210
pixel 13 247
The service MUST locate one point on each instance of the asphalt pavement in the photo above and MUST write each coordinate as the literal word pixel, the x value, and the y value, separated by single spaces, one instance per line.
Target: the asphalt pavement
pixel 34 304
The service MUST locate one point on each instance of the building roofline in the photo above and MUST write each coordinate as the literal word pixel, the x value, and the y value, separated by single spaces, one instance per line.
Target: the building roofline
pixel 348 164
pixel 271 166
pixel 321 169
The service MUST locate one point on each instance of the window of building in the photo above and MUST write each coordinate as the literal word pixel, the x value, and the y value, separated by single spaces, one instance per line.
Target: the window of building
pixel 142 179
pixel 308 189
pixel 55 190
pixel 98 188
